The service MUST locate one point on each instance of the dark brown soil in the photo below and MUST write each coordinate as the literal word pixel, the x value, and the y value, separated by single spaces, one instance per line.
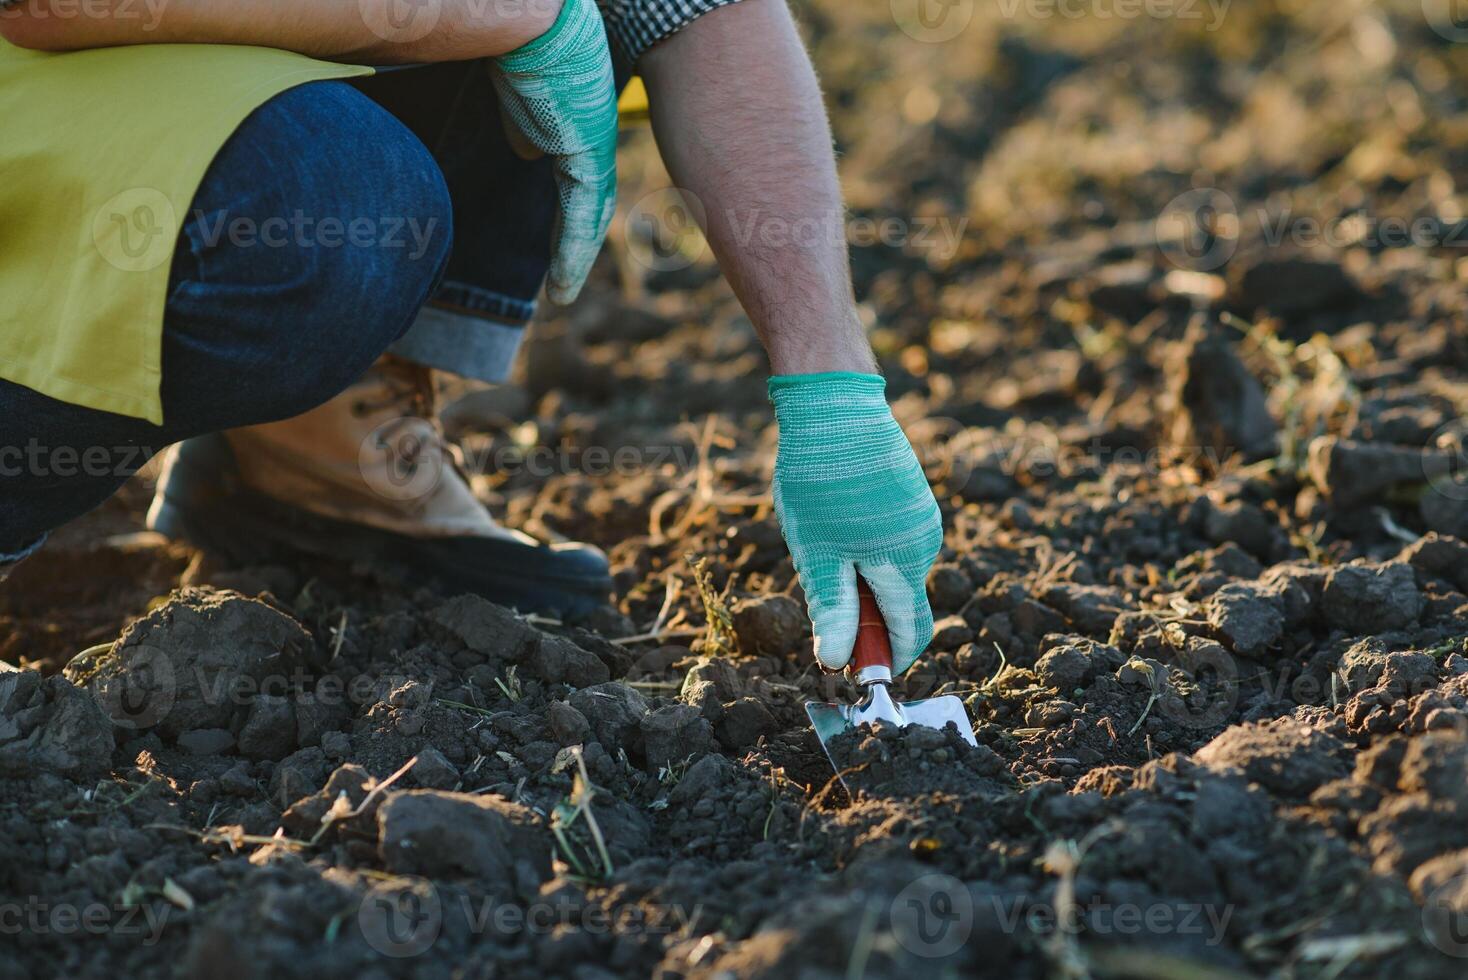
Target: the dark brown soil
pixel 1204 590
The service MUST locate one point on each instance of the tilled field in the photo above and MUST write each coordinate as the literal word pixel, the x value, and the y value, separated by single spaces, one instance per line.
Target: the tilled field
pixel 1186 364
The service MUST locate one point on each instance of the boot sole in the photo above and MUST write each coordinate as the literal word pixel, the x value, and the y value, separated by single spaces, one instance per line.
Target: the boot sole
pixel 248 528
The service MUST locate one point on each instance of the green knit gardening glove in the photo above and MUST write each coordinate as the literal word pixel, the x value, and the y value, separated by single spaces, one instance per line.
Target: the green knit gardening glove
pixel 852 498
pixel 559 99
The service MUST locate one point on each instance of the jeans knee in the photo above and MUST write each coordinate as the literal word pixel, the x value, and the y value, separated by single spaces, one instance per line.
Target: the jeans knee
pixel 321 229
pixel 372 223
pixel 363 295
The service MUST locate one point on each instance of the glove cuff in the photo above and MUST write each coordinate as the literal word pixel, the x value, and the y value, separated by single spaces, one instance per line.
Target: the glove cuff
pixel 782 386
pixel 832 394
pixel 828 403
pixel 531 54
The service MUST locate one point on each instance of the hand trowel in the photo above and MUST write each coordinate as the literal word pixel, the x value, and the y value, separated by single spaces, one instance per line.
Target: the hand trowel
pixel 871 668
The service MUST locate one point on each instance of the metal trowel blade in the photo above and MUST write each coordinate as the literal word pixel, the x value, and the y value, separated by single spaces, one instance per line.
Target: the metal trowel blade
pixel 870 667
pixel 830 720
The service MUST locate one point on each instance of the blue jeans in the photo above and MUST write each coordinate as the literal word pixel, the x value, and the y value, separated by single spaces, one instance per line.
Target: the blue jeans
pixel 504 210
pixel 319 234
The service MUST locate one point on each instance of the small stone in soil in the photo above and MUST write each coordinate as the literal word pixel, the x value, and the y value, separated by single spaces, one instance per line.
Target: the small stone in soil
pixel 206 741
pixel 1363 597
pixel 270 728
pixel 428 832
pixel 770 624
pixel 50 726
pixel 674 733
pixel 1245 617
pixel 613 711
pixel 433 771
pixel 743 722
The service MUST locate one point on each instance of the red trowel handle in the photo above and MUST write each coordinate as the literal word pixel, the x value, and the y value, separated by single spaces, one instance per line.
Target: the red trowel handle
pixel 873 647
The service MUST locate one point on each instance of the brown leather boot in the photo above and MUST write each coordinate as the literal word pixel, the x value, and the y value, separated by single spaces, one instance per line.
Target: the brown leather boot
pixel 367 475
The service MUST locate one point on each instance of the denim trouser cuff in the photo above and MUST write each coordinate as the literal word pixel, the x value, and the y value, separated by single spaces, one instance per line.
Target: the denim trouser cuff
pixel 476 337
pixel 7 562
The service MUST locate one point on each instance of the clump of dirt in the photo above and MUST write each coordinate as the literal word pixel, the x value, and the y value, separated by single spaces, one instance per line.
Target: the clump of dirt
pixel 47 725
pixel 888 760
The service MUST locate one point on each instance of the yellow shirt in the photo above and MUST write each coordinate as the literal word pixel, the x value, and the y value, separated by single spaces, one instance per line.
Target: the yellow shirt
pixel 100 154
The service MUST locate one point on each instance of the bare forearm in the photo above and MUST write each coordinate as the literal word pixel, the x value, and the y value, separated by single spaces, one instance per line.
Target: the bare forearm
pixel 377 31
pixel 738 117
